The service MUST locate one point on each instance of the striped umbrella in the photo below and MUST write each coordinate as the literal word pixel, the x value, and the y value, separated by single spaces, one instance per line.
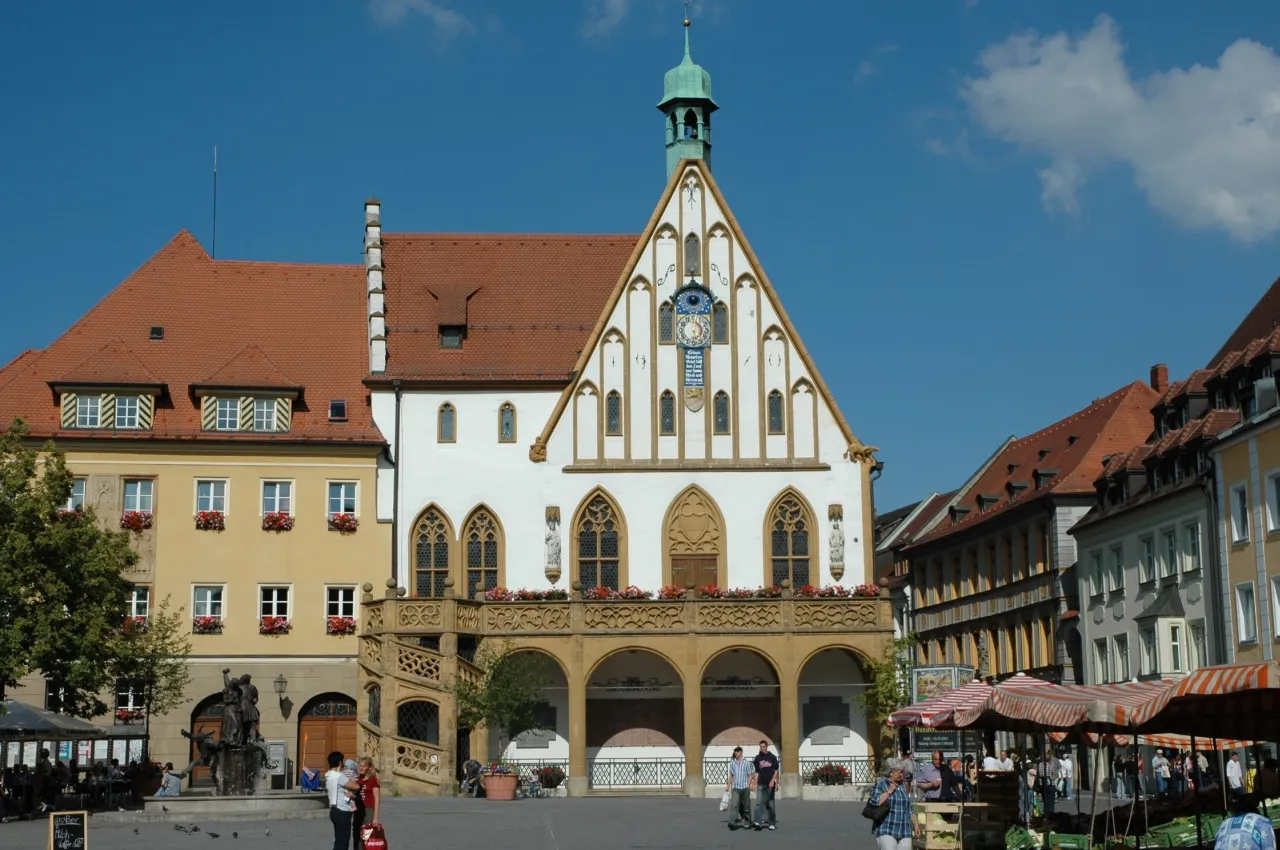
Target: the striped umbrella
pixel 937 712
pixel 1097 708
pixel 1230 700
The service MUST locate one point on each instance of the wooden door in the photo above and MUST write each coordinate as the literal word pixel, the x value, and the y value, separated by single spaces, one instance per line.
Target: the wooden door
pixel 326 725
pixel 702 569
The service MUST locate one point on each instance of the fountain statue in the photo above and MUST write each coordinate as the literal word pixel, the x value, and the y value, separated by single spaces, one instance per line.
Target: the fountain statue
pixel 238 760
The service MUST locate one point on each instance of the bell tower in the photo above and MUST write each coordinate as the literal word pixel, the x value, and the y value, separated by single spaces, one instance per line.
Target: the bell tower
pixel 687 106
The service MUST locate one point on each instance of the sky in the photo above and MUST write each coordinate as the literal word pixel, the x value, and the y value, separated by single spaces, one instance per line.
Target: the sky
pixel 980 214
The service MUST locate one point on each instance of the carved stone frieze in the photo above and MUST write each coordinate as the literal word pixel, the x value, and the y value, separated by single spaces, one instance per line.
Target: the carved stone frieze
pixel 373 617
pixel 469 618
pixel 739 615
pixel 694 528
pixel 417 662
pixel 371 652
pixel 841 614
pixel 623 615
pixel 418 758
pixel 541 617
pixel 371 744
pixel 419 615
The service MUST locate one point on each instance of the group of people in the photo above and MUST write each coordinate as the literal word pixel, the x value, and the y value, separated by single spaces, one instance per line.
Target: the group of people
pixel 28 790
pixel 355 799
pixel 759 777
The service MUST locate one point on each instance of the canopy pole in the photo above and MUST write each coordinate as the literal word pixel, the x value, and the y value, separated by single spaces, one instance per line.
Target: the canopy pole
pixel 1257 774
pixel 1222 777
pixel 1093 800
pixel 1195 792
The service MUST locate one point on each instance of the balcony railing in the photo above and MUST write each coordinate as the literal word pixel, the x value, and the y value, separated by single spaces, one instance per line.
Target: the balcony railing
pixel 637 773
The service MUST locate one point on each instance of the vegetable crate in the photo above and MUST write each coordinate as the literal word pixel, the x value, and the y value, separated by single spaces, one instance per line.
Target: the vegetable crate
pixel 952 826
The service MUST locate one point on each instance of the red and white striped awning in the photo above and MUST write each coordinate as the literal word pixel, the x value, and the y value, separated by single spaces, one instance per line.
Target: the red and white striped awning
pixel 1230 700
pixel 1179 742
pixel 938 711
pixel 1097 708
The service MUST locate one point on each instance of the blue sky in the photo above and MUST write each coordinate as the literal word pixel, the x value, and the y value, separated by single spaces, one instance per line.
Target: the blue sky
pixel 980 215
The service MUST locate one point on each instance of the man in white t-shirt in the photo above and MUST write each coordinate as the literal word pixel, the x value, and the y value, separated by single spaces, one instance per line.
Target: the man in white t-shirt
pixel 990 762
pixel 1067 771
pixel 1006 763
pixel 341 805
pixel 1235 776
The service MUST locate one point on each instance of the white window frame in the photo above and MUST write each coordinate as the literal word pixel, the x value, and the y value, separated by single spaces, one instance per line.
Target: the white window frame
pixel 276 597
pixel 79 487
pixel 329 591
pixel 1169 555
pixel 134 701
pixel 125 405
pixel 1120 647
pixel 1239 514
pixel 140 601
pixel 89 411
pixel 264 414
pixel 1147 563
pixel 1101 662
pixel 224 406
pixel 355 496
pixel 1194 550
pixel 1275 605
pixel 1272 480
pixel 1117 567
pixel 1177 648
pixel 1249 635
pixel 225 510
pixel 221 588
pixel 290 510
pixel 1149 652
pixel 149 497
pixel 1097 577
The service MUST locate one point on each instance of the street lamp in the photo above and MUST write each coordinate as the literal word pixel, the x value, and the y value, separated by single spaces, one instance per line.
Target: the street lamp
pixel 281 684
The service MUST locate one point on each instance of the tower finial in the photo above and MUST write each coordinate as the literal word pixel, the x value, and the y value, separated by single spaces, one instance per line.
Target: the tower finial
pixel 687 24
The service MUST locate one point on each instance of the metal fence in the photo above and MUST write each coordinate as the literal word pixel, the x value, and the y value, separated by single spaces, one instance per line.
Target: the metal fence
pixel 858 770
pixel 715 771
pixel 528 768
pixel 637 773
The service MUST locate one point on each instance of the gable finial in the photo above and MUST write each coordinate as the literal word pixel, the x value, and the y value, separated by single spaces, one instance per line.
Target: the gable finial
pixel 687 24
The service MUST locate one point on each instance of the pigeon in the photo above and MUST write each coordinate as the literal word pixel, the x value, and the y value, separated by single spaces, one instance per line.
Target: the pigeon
pixel 267 831
pixel 235 835
pixel 212 834
pixel 164 808
pixel 195 828
pixel 135 832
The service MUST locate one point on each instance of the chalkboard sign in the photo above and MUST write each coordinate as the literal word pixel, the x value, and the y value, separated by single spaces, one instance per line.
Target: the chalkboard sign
pixel 69 831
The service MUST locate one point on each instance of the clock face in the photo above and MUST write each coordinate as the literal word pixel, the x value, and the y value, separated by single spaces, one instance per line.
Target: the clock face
pixel 693 331
pixel 693 301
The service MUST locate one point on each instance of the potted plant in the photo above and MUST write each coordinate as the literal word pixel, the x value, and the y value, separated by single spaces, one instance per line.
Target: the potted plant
pixel 345 523
pixel 210 521
pixel 277 521
pixel 831 774
pixel 500 780
pixel 550 776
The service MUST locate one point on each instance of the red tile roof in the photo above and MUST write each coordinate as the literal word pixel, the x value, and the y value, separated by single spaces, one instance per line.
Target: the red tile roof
pixel 307 319
pixel 249 369
pixel 114 363
pixel 1072 448
pixel 529 301
pixel 1260 322
pixel 936 503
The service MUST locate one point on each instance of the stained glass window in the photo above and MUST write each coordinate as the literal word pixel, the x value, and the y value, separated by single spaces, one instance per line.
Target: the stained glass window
pixel 666 324
pixel 777 422
pixel 431 554
pixel 692 255
pixel 507 423
pixel 720 412
pixel 613 414
pixel 448 429
pixel 481 536
pixel 667 413
pixel 599 544
pixel 720 323
pixel 789 541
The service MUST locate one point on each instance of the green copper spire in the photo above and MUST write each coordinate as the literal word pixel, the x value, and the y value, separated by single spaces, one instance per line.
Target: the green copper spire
pixel 687 105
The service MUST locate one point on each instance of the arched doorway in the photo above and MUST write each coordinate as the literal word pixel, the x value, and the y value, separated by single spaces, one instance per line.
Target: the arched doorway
pixel 833 726
pixel 548 743
pixel 326 722
pixel 741 707
pixel 693 540
pixel 635 722
pixel 205 717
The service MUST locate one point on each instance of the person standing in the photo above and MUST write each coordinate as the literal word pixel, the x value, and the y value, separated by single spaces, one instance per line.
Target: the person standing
pixel 341 805
pixel 1006 763
pixel 1048 772
pixel 766 768
pixel 1119 771
pixel 894 830
pixel 368 800
pixel 1160 767
pixel 928 778
pixel 739 788
pixel 1068 775
pixel 991 762
pixel 1235 776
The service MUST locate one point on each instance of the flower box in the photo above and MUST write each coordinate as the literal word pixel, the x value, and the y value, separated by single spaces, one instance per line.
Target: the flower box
pixel 830 774
pixel 345 523
pixel 274 626
pixel 135 625
pixel 550 776
pixel 128 715
pixel 629 592
pixel 504 594
pixel 135 521
pixel 867 591
pixel 670 591
pixel 211 521
pixel 340 625
pixel 206 625
pixel 831 591
pixel 72 516
pixel 277 521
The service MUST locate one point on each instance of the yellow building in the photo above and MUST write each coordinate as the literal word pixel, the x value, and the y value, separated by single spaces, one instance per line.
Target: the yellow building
pixel 216 409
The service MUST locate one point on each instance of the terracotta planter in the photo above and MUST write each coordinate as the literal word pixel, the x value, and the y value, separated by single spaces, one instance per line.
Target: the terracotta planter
pixel 500 786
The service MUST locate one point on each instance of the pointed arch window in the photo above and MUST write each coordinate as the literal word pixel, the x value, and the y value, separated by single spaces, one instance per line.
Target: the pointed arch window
pixel 431 540
pixel 507 423
pixel 692 255
pixel 720 323
pixel 666 324
pixel 720 413
pixel 482 538
pixel 599 539
pixel 790 523
pixel 667 413
pixel 777 421
pixel 447 424
pixel 613 414
pixel 690 125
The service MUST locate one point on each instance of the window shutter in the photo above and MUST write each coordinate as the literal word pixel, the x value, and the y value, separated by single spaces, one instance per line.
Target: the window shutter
pixel 68 410
pixel 209 413
pixel 107 411
pixel 284 413
pixel 246 414
pixel 146 411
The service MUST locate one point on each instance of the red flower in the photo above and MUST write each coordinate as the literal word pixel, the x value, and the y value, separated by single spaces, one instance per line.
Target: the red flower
pixel 671 591
pixel 206 625
pixel 340 625
pixel 274 626
pixel 135 521
pixel 210 521
pixel 345 523
pixel 277 521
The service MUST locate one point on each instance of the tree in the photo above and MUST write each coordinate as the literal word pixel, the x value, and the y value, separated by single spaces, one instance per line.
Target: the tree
pixel 152 655
pixel 890 686
pixel 62 595
pixel 505 694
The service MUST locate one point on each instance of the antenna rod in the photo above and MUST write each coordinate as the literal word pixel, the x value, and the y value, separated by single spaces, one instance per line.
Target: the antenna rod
pixel 214 251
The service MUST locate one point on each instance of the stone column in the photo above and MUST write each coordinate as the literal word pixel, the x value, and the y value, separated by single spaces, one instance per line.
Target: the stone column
pixel 576 785
pixel 480 744
pixel 790 785
pixel 694 784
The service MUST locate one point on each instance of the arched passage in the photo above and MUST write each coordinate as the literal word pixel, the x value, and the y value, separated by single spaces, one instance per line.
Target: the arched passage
pixel 635 722
pixel 741 707
pixel 549 742
pixel 326 722
pixel 833 726
pixel 205 717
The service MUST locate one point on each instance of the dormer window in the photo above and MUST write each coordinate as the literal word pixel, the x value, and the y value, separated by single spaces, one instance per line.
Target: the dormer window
pixel 1043 477
pixel 228 414
pixel 104 410
pixel 1044 453
pixel 451 336
pixel 958 512
pixel 338 410
pixel 88 411
pixel 986 500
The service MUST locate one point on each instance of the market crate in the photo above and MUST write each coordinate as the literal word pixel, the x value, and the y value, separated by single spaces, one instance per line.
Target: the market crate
pixel 940 826
pixel 1068 841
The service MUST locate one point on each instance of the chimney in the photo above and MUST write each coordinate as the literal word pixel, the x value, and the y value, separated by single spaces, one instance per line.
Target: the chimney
pixel 373 280
pixel 1159 377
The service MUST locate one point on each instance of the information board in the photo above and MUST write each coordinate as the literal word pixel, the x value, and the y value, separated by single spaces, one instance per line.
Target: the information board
pixel 69 831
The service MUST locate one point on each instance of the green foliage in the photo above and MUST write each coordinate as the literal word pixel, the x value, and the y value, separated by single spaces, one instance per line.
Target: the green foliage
pixel 506 693
pixel 890 674
pixel 156 658
pixel 62 596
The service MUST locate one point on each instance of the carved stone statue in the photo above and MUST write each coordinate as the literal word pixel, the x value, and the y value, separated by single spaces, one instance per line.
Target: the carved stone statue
pixel 249 715
pixel 232 712
pixel 553 548
pixel 837 542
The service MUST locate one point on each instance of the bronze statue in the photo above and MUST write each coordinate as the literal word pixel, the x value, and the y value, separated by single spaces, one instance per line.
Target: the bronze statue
pixel 249 715
pixel 206 753
pixel 232 712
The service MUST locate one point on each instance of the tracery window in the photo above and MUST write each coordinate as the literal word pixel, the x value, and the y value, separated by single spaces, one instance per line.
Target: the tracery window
pixel 613 414
pixel 600 541
pixel 447 428
pixel 720 413
pixel 667 413
pixel 431 541
pixel 692 255
pixel 720 323
pixel 777 421
pixel 482 539
pixel 666 324
pixel 507 423
pixel 789 526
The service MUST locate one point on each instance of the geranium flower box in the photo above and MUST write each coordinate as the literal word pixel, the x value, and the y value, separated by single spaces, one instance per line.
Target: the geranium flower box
pixel 135 521
pixel 211 521
pixel 345 523
pixel 340 625
pixel 277 521
pixel 274 626
pixel 206 625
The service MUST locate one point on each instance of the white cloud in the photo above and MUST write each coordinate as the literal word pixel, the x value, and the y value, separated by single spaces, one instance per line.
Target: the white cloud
pixel 1203 143
pixel 870 66
pixel 604 16
pixel 447 24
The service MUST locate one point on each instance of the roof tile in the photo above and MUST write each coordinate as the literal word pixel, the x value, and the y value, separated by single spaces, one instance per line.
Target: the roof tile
pixel 114 363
